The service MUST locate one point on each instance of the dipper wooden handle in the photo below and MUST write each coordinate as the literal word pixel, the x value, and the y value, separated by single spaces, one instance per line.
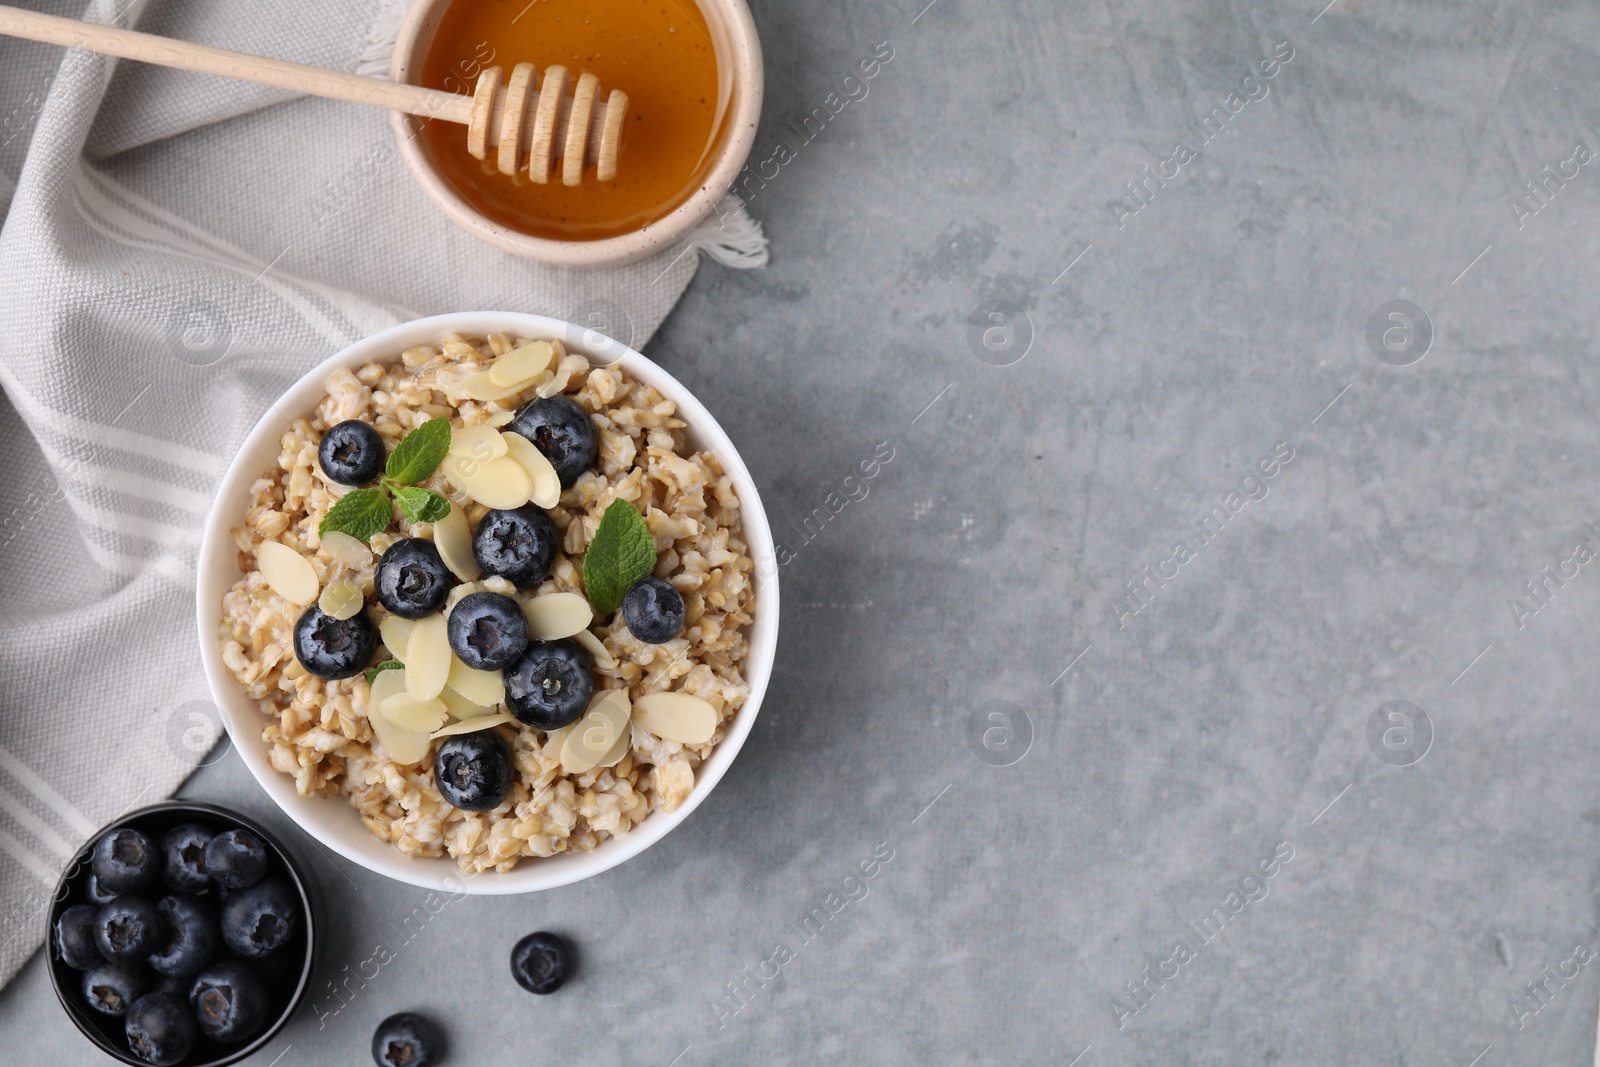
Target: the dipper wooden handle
pixel 576 129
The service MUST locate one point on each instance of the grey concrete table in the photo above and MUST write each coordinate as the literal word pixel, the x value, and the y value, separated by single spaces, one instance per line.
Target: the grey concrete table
pixel 1209 675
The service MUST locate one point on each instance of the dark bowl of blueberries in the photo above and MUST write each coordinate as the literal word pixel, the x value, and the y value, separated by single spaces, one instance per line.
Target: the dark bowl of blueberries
pixel 182 935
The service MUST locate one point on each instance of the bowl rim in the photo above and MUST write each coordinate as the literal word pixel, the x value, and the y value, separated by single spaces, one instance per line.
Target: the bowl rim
pixel 330 820
pixel 734 151
pixel 79 862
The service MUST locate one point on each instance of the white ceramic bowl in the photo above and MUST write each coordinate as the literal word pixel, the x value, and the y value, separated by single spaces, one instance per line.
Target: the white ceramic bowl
pixel 740 88
pixel 331 820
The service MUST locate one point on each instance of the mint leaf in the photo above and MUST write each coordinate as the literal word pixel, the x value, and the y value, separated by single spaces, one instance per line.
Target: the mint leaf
pixel 419 452
pixel 421 505
pixel 363 514
pixel 621 553
pixel 386 665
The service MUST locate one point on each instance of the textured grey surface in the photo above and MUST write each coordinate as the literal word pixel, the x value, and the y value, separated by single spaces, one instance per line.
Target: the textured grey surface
pixel 1231 714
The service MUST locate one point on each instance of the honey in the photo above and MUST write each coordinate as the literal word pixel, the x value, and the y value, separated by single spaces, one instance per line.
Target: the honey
pixel 659 52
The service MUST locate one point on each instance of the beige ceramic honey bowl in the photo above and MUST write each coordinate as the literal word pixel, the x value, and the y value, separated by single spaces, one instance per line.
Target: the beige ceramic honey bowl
pixel 692 75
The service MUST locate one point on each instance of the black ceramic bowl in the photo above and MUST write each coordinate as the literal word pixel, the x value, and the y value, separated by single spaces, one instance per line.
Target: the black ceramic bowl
pixel 287 989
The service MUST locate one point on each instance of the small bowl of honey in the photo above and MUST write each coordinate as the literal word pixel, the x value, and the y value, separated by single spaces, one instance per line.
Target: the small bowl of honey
pixel 685 84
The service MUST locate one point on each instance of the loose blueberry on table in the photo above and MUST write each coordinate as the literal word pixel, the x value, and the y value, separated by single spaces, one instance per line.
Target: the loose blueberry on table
pixel 473 771
pixel 518 545
pixel 334 648
pixel 541 962
pixel 412 580
pixel 160 1029
pixel 406 1039
pixel 550 684
pixel 488 631
pixel 563 431
pixel 352 453
pixel 653 610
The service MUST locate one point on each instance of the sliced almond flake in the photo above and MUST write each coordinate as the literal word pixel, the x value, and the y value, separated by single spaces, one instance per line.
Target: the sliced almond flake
pixel 342 600
pixel 594 736
pixel 481 443
pixel 288 573
pixel 618 750
pixel 452 536
pixel 554 739
pixel 597 648
pixel 409 713
pixel 522 363
pixel 396 634
pixel 484 688
pixel 459 707
pixel 557 615
pixel 481 387
pixel 468 726
pixel 496 583
pixel 402 746
pixel 500 418
pixel 678 717
pixel 546 482
pixel 428 657
pixel 342 548
pixel 500 483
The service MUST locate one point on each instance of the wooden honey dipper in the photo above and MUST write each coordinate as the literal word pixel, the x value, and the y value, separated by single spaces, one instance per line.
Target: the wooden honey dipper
pixel 525 129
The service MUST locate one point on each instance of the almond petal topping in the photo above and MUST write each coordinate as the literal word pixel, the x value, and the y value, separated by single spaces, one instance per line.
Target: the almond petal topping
pixel 546 482
pixel 468 726
pixel 428 658
pixel 557 615
pixel 288 573
pixel 409 713
pixel 341 600
pixel 679 717
pixel 522 364
pixel 453 538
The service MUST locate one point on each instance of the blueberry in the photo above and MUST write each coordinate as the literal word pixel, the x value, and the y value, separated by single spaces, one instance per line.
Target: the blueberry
pixel 488 631
pixel 550 685
pixel 183 853
pixel 412 580
pixel 189 936
pixel 653 610
pixel 473 771
pixel 74 937
pixel 563 431
pixel 352 453
pixel 113 987
pixel 541 962
pixel 125 861
pixel 160 1029
pixel 257 920
pixel 518 545
pixel 406 1039
pixel 128 928
pixel 229 1002
pixel 171 983
pixel 236 858
pixel 97 893
pixel 334 648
